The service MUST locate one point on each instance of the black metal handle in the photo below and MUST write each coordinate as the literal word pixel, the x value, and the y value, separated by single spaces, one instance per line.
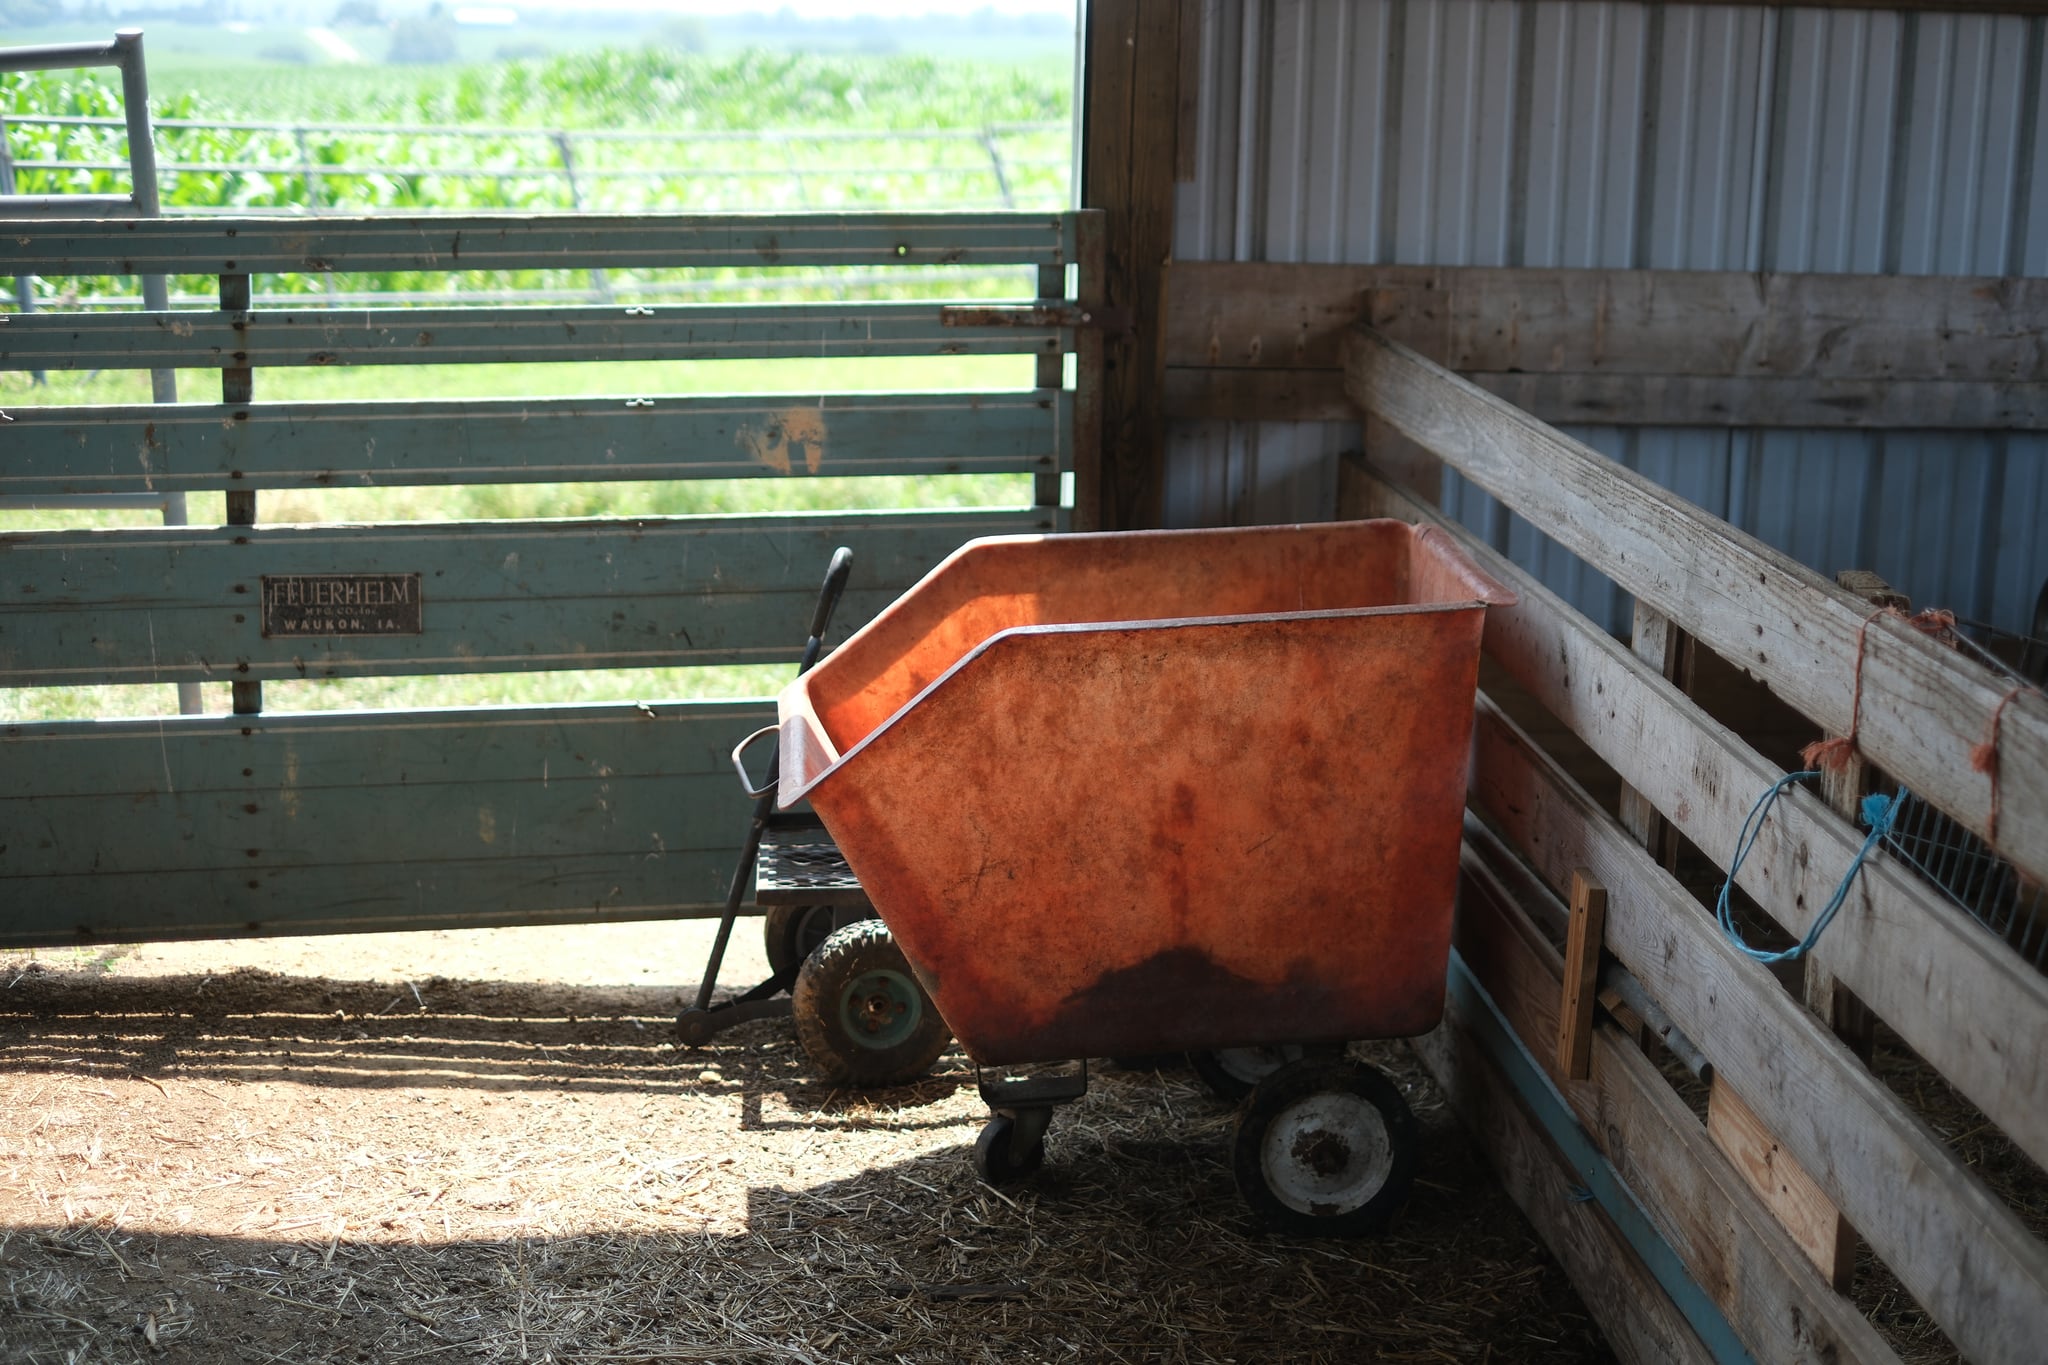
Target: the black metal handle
pixel 739 762
pixel 828 596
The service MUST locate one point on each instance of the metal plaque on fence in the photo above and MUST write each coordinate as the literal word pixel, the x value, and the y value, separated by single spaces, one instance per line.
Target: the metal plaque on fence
pixel 341 604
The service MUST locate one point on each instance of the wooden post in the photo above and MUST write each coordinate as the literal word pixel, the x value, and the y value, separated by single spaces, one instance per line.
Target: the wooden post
pixel 1666 648
pixel 1581 976
pixel 1130 124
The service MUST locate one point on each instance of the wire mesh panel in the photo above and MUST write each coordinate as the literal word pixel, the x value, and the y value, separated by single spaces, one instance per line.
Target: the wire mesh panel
pixel 1969 873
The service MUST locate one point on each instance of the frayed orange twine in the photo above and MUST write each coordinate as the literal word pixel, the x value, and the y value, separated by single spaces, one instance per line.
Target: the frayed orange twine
pixel 1984 758
pixel 1833 755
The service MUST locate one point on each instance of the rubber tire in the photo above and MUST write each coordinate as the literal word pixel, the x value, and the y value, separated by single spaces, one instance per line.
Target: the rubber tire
pixel 1297 1084
pixel 995 1162
pixel 1231 1072
pixel 848 954
pixel 791 933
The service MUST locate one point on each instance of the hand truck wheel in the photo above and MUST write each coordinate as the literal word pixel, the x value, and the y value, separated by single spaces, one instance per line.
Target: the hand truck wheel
pixel 861 1014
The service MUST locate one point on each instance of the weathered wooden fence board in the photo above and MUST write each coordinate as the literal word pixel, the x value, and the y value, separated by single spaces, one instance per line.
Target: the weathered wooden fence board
pixel 196 447
pixel 1945 983
pixel 1960 1253
pixel 1640 1321
pixel 1763 1283
pixel 1922 709
pixel 186 603
pixel 1669 348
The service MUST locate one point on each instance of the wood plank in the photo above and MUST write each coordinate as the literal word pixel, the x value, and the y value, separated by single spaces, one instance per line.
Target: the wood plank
pixel 1923 708
pixel 1588 922
pixel 1652 323
pixel 1862 404
pixel 235 825
pixel 1130 116
pixel 288 246
pixel 1661 645
pixel 504 336
pixel 1639 1320
pixel 1949 986
pixel 1721 323
pixel 1729 1241
pixel 1811 1218
pixel 1960 1253
pixel 169 604
pixel 1665 348
pixel 198 447
pixel 1090 375
pixel 1305 395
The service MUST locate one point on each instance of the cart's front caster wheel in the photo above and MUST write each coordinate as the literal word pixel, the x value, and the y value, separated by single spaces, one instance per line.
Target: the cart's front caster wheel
pixel 1325 1149
pixel 791 933
pixel 860 1014
pixel 1231 1072
pixel 1003 1153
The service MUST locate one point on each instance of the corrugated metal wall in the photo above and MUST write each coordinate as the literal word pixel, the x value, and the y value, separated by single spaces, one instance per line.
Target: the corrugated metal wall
pixel 1704 137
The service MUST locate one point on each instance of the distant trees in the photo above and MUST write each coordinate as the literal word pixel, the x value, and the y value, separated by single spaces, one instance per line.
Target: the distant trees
pixel 424 38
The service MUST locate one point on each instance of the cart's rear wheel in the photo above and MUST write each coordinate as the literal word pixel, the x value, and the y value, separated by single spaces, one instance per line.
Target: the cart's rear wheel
pixel 1001 1155
pixel 1325 1149
pixel 791 933
pixel 860 1013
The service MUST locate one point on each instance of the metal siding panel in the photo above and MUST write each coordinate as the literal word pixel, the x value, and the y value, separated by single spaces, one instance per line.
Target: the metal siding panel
pixel 1585 117
pixel 2021 552
pixel 1807 493
pixel 1553 132
pixel 1706 125
pixel 2030 256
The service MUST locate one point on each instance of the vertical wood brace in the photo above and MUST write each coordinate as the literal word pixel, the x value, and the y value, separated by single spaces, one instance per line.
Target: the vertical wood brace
pixel 1666 648
pixel 1130 126
pixel 1090 247
pixel 1588 924
pixel 1786 1189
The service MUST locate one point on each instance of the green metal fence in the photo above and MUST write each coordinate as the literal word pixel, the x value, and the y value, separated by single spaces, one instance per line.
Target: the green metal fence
pixel 258 822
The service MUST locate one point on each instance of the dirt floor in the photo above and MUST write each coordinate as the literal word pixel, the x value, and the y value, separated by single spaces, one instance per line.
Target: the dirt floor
pixel 485 1146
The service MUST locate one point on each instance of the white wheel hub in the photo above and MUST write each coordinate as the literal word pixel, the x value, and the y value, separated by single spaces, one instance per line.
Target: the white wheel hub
pixel 1327 1154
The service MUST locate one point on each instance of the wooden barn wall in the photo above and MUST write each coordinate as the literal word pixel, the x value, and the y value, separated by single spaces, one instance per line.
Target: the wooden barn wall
pixel 1558 133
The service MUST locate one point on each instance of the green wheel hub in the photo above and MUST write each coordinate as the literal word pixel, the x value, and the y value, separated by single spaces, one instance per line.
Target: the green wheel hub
pixel 880 1009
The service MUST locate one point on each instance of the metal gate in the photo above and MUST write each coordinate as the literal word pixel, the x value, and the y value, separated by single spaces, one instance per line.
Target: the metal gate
pixel 262 823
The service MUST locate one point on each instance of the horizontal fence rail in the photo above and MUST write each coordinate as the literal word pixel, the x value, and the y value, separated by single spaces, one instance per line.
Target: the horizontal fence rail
pixel 148 448
pixel 470 336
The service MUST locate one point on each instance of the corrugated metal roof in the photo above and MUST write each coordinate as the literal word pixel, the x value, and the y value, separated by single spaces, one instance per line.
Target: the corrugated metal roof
pixel 1706 137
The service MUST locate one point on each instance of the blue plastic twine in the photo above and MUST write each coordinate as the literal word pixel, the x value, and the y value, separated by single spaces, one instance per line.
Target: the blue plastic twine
pixel 1877 813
